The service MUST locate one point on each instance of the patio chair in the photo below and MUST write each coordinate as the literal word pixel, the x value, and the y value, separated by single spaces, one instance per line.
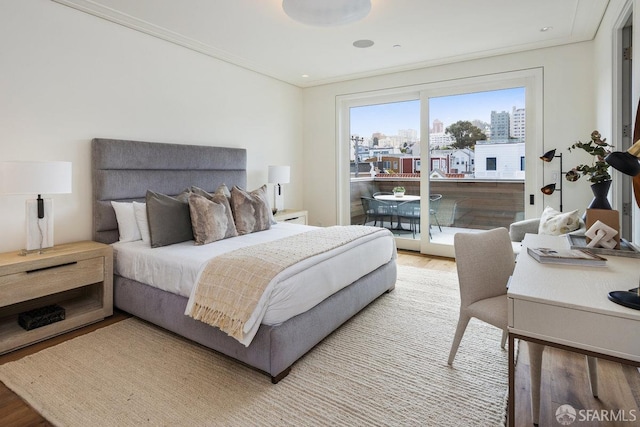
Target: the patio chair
pixel 377 210
pixel 410 210
pixel 434 204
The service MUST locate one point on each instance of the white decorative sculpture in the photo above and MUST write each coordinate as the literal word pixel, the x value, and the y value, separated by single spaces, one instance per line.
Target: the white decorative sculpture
pixel 601 235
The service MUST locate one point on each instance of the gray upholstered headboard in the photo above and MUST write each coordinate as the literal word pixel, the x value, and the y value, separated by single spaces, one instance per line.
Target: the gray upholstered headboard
pixel 125 170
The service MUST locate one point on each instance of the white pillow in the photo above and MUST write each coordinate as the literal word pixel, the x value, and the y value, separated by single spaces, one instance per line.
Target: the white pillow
pixel 127 226
pixel 557 223
pixel 140 212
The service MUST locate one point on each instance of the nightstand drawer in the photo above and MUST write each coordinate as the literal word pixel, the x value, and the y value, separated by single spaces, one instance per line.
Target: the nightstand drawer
pixel 291 216
pixel 297 220
pixel 48 280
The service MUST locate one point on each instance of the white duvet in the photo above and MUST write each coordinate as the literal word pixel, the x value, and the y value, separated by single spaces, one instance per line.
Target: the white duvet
pixel 175 268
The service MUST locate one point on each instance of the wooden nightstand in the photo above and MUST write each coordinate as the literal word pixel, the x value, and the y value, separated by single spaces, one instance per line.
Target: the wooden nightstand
pixel 77 276
pixel 290 215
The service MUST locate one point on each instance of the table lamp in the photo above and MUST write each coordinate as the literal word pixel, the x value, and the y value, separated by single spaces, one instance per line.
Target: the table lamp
pixel 278 175
pixel 627 163
pixel 32 177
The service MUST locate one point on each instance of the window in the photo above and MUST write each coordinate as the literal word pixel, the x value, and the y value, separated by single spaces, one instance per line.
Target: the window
pixel 491 163
pixel 512 136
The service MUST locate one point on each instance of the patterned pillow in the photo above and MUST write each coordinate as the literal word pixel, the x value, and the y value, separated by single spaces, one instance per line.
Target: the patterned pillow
pixel 251 210
pixel 209 220
pixel 220 197
pixel 556 223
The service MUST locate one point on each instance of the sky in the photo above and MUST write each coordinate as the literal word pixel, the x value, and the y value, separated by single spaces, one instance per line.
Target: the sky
pixel 388 118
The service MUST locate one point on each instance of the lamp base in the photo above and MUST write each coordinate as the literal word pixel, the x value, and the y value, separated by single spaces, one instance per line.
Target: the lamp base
pixel 39 230
pixel 25 252
pixel 626 298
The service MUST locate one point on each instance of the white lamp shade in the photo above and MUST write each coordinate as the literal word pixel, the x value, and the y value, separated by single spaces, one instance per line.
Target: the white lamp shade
pixel 35 177
pixel 279 174
pixel 326 13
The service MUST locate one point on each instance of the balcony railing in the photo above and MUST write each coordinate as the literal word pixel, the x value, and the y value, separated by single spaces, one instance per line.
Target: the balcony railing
pixel 466 203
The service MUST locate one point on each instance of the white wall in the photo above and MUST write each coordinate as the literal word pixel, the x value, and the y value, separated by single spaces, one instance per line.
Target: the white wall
pixel 607 84
pixel 67 77
pixel 569 115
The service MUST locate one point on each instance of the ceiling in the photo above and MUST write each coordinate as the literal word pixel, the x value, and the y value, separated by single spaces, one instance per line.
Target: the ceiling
pixel 407 34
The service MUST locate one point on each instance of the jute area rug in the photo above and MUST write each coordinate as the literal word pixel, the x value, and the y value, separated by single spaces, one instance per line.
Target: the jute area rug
pixel 386 366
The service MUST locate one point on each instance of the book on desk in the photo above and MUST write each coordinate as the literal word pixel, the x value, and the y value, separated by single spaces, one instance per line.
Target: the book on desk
pixel 567 256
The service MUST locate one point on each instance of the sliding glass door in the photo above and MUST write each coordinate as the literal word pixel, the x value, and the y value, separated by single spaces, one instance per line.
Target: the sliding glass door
pixel 476 161
pixel 441 158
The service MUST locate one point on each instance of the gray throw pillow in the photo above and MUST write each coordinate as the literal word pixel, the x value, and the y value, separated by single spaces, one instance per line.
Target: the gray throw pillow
pixel 208 219
pixel 251 210
pixel 169 218
pixel 219 197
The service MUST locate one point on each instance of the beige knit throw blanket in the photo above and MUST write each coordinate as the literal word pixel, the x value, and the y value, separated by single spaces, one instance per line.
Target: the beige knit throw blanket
pixel 231 285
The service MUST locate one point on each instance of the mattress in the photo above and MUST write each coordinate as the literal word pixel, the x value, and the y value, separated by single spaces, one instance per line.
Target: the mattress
pixel 175 268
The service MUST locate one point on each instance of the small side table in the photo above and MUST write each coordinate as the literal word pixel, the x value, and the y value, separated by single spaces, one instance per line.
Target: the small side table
pixel 77 276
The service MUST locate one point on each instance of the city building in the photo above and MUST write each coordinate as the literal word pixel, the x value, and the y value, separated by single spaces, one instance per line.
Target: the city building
pixel 500 126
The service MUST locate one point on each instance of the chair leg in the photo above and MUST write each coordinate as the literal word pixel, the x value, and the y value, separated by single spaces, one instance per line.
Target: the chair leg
pixel 592 372
pixel 503 342
pixel 535 373
pixel 437 222
pixel 463 321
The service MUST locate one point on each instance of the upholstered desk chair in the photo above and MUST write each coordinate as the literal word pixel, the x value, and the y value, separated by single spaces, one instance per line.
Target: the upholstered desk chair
pixel 484 262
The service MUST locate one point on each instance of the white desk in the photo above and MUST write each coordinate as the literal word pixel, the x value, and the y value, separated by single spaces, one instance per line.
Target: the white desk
pixel 566 306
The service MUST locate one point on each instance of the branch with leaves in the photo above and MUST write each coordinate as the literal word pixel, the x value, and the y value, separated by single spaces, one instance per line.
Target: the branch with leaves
pixel 598 170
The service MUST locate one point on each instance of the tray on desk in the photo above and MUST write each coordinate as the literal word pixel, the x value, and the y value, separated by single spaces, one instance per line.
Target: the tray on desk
pixel 626 249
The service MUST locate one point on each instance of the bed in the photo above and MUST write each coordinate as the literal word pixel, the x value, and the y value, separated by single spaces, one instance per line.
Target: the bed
pixel 124 171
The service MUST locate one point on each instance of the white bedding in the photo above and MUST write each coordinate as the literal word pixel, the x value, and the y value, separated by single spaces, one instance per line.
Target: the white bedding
pixel 175 268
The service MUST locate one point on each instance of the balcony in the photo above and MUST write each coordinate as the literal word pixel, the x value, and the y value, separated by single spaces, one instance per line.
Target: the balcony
pixel 471 204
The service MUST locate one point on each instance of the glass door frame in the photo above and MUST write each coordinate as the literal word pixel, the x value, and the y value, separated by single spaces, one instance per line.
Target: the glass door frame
pixel 531 79
pixel 343 137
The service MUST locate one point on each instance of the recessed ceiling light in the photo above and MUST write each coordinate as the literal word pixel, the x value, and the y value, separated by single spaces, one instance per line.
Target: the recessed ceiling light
pixel 304 76
pixel 326 13
pixel 397 45
pixel 543 29
pixel 363 43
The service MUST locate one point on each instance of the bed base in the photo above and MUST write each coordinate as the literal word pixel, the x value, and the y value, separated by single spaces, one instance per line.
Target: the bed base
pixel 275 348
pixel 125 170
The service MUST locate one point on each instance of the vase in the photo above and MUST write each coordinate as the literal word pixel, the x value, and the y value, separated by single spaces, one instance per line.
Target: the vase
pixel 600 191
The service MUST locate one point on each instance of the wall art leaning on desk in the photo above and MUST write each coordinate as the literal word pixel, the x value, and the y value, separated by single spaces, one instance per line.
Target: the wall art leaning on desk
pixel 567 256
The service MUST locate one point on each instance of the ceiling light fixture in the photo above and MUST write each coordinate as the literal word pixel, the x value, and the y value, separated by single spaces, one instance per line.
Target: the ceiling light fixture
pixel 544 29
pixel 363 43
pixel 326 13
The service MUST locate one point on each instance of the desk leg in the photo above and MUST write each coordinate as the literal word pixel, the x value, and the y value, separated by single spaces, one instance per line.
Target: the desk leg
pixel 535 375
pixel 511 412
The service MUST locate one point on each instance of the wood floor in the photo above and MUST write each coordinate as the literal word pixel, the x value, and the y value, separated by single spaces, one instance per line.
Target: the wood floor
pixel 564 378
